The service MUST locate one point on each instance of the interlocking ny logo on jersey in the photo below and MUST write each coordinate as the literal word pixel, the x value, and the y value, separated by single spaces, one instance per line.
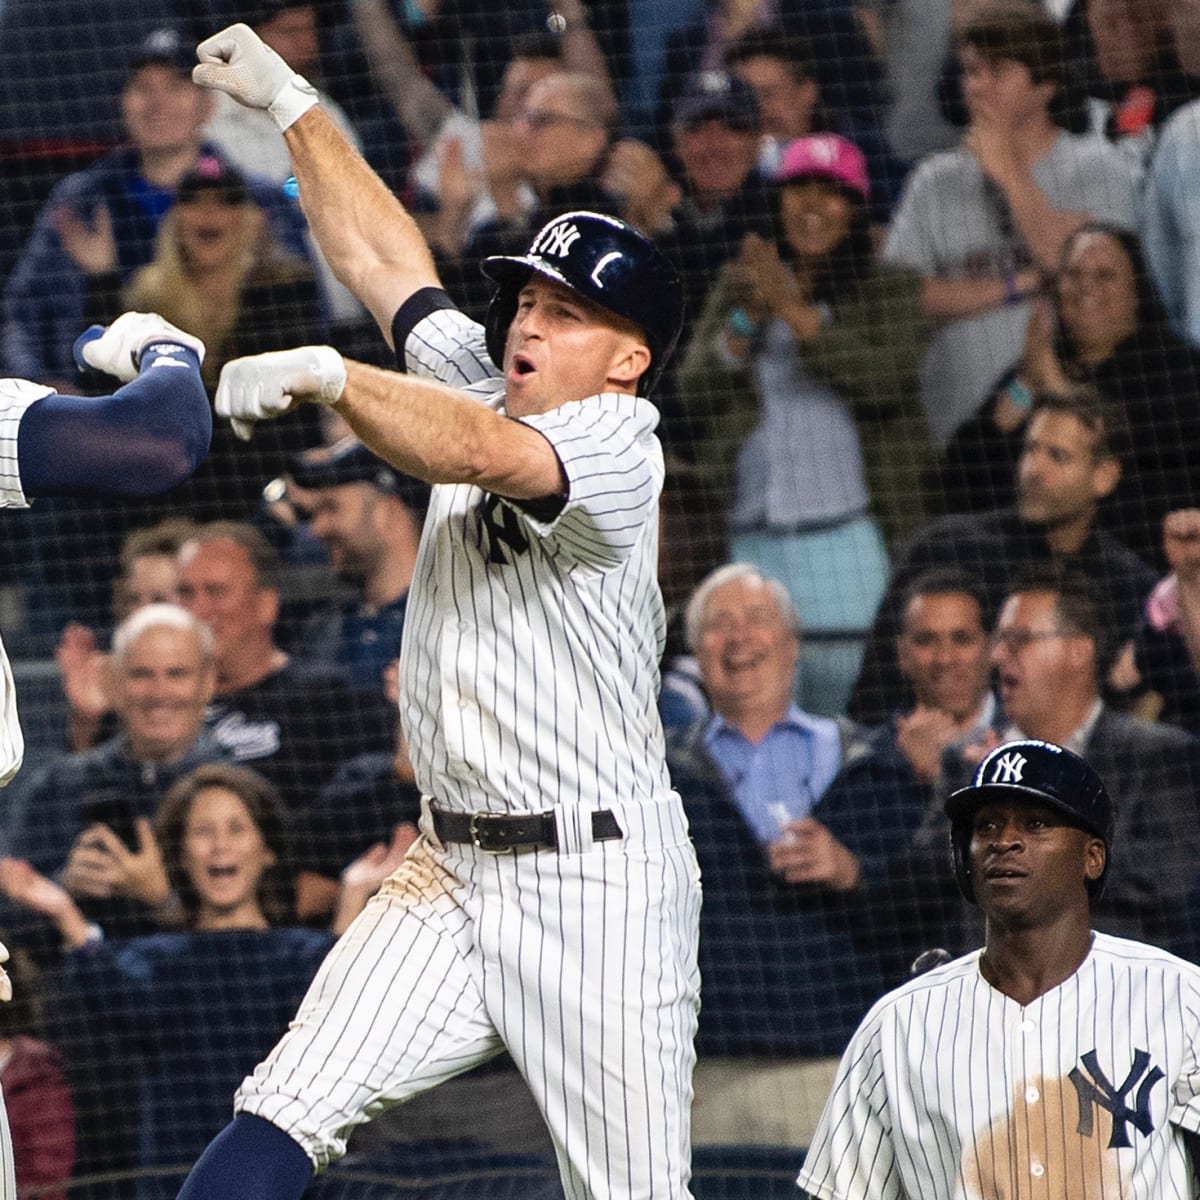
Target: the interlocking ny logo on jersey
pixel 556 240
pixel 1008 768
pixel 501 528
pixel 1095 1088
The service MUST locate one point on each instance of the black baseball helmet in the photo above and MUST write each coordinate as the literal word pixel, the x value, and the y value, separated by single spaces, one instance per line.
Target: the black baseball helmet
pixel 607 262
pixel 1041 773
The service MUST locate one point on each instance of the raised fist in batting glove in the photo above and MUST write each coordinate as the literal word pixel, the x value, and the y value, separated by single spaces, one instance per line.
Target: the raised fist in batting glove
pixel 117 350
pixel 236 61
pixel 265 385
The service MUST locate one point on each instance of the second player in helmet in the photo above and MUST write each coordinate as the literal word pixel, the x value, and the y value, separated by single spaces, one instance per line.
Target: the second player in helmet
pixel 1040 787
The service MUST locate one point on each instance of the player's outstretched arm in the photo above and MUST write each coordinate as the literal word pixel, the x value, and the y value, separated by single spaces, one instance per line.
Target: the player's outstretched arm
pixel 368 238
pixel 146 437
pixel 422 428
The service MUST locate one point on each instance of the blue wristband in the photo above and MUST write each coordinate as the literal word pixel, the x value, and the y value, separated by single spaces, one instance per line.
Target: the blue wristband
pixel 1019 394
pixel 741 324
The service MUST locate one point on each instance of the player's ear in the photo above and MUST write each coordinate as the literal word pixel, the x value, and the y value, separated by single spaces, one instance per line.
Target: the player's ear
pixel 268 605
pixel 1106 474
pixel 630 362
pixel 1096 856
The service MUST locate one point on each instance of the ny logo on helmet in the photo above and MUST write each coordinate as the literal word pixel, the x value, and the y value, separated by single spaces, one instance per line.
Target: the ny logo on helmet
pixel 1008 768
pixel 556 240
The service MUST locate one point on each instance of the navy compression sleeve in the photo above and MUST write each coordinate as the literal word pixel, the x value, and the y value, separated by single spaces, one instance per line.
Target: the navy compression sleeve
pixel 143 439
pixel 249 1160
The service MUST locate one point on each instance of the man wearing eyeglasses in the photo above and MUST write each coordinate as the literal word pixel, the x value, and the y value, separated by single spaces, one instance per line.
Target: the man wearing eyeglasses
pixel 1049 637
pixel 1051 633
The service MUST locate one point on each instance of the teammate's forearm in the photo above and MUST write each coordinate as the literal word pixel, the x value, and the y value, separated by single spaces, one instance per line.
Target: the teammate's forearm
pixel 372 243
pixel 442 436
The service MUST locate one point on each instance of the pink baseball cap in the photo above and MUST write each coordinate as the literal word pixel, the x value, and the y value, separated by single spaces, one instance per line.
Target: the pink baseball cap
pixel 825 156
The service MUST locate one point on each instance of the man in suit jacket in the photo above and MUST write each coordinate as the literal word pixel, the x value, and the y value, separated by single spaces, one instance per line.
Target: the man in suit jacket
pixel 1048 641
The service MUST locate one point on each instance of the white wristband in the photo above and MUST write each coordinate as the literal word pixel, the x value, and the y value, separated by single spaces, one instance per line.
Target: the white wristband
pixel 330 368
pixel 295 98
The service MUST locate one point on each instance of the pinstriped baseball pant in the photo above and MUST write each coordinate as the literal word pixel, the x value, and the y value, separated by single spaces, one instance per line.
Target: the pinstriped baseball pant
pixel 582 965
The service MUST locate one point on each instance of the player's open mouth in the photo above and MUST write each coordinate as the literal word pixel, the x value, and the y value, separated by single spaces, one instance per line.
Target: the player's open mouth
pixel 1004 873
pixel 522 365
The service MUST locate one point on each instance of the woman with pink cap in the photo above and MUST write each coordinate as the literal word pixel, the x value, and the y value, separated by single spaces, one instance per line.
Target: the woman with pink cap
pixel 802 384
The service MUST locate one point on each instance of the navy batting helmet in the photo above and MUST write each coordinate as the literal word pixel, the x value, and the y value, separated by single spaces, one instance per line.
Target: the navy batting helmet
pixel 607 262
pixel 1040 773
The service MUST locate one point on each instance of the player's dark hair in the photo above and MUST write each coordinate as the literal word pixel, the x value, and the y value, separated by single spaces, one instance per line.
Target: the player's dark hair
pixel 276 888
pixel 1103 419
pixel 946 581
pixel 264 558
pixel 773 42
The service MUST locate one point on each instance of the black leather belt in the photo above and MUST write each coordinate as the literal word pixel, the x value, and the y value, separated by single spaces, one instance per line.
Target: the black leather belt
pixel 498 832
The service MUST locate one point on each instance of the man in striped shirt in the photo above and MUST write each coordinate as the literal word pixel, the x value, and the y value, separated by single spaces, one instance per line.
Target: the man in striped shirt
pixel 551 907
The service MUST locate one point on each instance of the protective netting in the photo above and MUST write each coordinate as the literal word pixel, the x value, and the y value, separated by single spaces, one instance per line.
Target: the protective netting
pixel 938 378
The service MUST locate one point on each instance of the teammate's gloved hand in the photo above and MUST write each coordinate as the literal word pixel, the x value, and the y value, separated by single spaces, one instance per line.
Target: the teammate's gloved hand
pixel 265 385
pixel 236 61
pixel 5 982
pixel 117 350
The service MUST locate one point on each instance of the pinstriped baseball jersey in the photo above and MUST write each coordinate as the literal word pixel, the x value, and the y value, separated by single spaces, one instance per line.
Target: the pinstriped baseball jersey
pixel 950 1090
pixel 16 395
pixel 528 682
pixel 530 656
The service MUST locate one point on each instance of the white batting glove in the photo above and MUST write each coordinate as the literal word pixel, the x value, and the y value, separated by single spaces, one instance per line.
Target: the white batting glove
pixel 117 349
pixel 5 982
pixel 237 62
pixel 266 385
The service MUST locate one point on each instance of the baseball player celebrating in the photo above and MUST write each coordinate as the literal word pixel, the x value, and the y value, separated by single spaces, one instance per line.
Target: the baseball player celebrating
pixel 148 436
pixel 551 907
pixel 1055 1062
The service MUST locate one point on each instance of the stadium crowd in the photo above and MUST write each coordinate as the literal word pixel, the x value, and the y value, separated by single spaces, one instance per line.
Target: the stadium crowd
pixel 933 482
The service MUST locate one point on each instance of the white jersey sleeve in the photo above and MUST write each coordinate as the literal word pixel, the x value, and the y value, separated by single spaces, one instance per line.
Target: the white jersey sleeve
pixel 614 469
pixel 853 1153
pixel 448 346
pixel 16 395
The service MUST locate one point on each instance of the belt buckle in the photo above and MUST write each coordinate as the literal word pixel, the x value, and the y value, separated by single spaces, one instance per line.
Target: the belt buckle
pixel 474 829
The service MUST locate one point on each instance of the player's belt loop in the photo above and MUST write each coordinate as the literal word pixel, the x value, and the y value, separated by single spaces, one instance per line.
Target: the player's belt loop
pixel 497 833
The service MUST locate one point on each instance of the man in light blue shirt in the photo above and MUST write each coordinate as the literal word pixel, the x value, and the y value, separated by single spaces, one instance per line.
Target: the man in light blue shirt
pixel 776 758
pixel 781 975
